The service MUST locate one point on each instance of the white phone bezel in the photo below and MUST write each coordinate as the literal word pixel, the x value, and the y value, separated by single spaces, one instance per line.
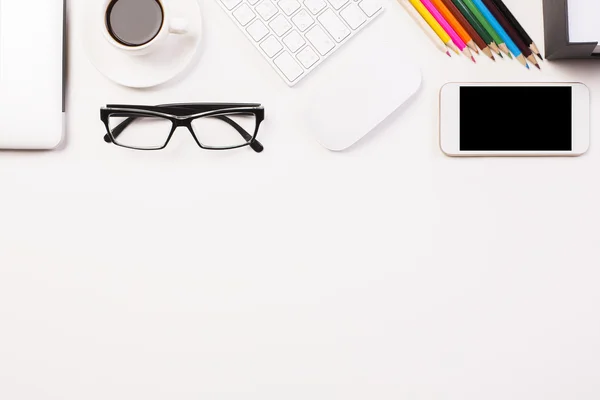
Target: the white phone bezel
pixel 450 121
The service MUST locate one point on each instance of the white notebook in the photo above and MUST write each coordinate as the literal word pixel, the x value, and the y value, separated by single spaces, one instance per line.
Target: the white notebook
pixel 583 21
pixel 31 73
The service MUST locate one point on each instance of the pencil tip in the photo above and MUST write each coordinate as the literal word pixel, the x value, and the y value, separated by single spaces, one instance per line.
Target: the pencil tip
pixel 527 65
pixel 540 56
pixel 500 54
pixel 473 58
pixel 538 66
pixel 510 56
pixel 449 55
pixel 493 59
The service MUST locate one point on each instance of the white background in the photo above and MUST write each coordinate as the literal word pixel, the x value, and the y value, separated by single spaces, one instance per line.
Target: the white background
pixel 385 272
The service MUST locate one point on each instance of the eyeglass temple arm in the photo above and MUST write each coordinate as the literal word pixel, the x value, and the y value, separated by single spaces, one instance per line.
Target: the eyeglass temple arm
pixel 254 144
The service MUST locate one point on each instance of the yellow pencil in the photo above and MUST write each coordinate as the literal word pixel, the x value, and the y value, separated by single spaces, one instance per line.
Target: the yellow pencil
pixel 426 28
pixel 431 21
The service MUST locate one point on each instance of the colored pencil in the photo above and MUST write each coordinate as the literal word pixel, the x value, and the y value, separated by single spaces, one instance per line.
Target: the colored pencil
pixel 518 27
pixel 424 26
pixel 470 29
pixel 474 22
pixel 455 24
pixel 483 21
pixel 514 35
pixel 505 36
pixel 442 21
pixel 432 22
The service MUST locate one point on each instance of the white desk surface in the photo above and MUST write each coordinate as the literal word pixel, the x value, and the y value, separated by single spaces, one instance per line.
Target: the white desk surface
pixel 386 272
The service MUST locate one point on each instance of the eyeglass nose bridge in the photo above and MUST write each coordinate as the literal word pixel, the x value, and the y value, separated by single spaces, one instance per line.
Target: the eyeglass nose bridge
pixel 182 123
pixel 186 123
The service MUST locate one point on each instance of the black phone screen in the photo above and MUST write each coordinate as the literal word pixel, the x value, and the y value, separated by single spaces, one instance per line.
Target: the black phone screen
pixel 516 118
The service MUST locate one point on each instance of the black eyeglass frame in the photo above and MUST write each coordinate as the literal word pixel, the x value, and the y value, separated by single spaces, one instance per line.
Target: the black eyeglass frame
pixel 182 115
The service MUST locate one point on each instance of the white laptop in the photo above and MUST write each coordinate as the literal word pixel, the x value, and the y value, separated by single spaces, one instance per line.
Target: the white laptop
pixel 31 73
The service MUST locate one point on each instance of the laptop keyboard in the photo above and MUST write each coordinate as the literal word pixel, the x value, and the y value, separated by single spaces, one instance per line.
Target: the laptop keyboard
pixel 295 36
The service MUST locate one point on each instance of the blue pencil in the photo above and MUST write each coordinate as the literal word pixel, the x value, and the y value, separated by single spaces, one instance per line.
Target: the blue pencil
pixel 505 36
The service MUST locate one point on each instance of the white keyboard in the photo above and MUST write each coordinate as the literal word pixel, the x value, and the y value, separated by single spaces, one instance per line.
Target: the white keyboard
pixel 295 36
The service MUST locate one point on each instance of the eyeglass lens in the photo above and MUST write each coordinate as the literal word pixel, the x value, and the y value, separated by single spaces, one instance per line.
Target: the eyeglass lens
pixel 151 132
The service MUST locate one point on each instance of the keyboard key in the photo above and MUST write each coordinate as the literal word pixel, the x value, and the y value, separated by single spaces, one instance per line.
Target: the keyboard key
pixel 336 28
pixel 370 7
pixel 294 41
pixel 337 4
pixel 295 36
pixel 280 25
pixel 315 6
pixel 318 38
pixel 231 4
pixel 353 16
pixel 257 30
pixel 244 14
pixel 307 57
pixel 288 66
pixel 289 6
pixel 271 46
pixel 267 10
pixel 302 20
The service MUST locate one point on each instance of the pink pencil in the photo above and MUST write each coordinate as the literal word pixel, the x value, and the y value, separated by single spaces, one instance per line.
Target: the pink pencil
pixel 453 35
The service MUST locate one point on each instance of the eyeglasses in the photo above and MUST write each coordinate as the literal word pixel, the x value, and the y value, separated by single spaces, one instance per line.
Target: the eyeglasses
pixel 214 126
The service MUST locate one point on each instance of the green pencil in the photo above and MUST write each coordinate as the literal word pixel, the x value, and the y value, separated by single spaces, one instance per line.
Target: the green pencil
pixel 485 35
pixel 487 26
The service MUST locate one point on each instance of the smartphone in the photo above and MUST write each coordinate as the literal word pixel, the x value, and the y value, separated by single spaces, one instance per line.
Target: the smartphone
pixel 514 119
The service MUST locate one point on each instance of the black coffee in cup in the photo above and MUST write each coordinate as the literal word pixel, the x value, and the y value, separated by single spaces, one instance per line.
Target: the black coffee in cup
pixel 134 22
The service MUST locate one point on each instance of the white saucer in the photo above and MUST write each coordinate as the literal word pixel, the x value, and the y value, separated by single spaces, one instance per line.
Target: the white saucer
pixel 176 54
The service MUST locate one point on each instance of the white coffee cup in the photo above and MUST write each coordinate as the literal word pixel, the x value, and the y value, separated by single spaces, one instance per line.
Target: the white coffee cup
pixel 170 25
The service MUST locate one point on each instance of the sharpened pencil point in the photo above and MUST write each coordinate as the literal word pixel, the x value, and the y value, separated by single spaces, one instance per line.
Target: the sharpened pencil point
pixel 538 66
pixel 540 56
pixel 453 47
pixel 500 54
pixel 534 49
pixel 493 59
pixel 449 55
pixel 527 65
pixel 488 52
pixel 473 58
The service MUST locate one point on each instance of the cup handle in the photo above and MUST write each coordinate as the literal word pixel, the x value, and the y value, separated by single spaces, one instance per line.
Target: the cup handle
pixel 178 26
